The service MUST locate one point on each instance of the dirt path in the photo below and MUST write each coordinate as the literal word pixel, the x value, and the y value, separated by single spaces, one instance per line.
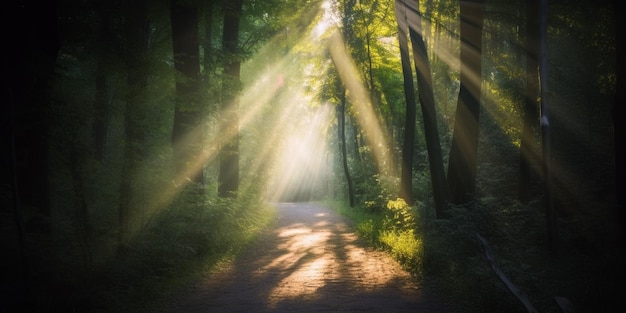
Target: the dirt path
pixel 310 262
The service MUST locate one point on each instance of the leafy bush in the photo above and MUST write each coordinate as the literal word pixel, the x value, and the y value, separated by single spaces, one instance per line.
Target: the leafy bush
pixel 194 233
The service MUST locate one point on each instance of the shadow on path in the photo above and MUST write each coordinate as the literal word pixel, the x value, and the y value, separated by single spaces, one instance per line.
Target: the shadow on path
pixel 310 262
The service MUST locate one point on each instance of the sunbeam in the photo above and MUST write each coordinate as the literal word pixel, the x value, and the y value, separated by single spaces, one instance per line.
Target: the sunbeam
pixel 360 99
pixel 301 167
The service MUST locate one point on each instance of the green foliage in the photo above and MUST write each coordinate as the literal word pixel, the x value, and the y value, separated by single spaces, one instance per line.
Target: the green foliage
pixel 399 216
pixel 192 235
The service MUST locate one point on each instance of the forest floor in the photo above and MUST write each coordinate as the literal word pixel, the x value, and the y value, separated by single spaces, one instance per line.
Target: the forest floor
pixel 310 261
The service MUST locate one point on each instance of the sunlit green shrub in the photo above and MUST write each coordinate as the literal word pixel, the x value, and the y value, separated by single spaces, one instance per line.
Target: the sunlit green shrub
pixel 405 247
pixel 399 216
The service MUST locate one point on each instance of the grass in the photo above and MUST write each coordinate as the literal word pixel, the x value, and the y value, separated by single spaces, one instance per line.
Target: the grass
pixel 446 255
pixel 184 244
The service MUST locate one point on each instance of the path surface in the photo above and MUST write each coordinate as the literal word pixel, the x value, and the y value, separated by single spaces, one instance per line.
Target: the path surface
pixel 310 262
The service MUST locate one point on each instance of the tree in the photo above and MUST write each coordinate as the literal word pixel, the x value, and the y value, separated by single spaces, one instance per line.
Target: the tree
pixel 187 113
pixel 530 101
pixel 406 176
pixel 228 178
pixel 341 121
pixel 30 60
pixel 408 17
pixel 618 127
pixel 546 140
pixel 464 147
pixel 136 30
pixel 101 106
pixel 427 104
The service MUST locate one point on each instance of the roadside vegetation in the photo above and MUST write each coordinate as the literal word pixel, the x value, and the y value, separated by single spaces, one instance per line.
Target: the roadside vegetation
pixel 447 255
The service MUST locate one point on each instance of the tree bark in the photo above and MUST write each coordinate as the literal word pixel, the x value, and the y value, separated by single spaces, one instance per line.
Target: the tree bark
pixel 342 138
pixel 464 148
pixel 618 126
pixel 31 55
pixel 530 111
pixel 546 138
pixel 188 111
pixel 136 29
pixel 427 104
pixel 228 178
pixel 101 109
pixel 406 176
pixel 100 120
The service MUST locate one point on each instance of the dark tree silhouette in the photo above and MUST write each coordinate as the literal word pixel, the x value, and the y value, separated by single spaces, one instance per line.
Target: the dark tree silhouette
pixel 185 136
pixel 426 99
pixel 341 118
pixel 546 137
pixel 462 162
pixel 530 110
pixel 406 176
pixel 228 178
pixel 618 126
pixel 136 31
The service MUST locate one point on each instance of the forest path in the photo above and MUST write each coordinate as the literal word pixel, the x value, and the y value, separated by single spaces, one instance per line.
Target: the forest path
pixel 311 261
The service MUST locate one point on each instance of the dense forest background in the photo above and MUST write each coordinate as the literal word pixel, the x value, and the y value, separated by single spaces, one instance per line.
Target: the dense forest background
pixel 145 141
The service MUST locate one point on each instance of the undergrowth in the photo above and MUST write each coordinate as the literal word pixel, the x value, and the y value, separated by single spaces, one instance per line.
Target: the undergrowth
pixel 447 256
pixel 192 237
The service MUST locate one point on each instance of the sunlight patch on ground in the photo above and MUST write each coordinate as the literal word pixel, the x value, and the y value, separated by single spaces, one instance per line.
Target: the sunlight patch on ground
pixel 314 256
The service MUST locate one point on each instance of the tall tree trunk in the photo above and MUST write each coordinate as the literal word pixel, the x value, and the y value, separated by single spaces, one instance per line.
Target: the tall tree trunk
pixel 546 139
pixel 464 148
pixel 188 111
pixel 228 179
pixel 618 125
pixel 31 54
pixel 427 104
pixel 20 280
pixel 136 29
pixel 530 104
pixel 101 100
pixel 406 176
pixel 209 57
pixel 342 138
pixel 100 113
pixel 82 225
pixel 368 39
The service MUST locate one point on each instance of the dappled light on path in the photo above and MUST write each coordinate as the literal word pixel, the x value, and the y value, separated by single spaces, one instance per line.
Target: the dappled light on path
pixel 311 261
pixel 312 253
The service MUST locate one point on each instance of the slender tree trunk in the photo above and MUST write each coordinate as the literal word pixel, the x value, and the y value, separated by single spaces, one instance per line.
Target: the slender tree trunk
pixel 136 30
pixel 125 193
pixel 356 135
pixel 342 138
pixel 427 104
pixel 406 176
pixel 546 139
pixel 186 138
pixel 100 120
pixel 31 53
pixel 82 225
pixel 101 100
pixel 370 69
pixel 530 104
pixel 228 178
pixel 8 121
pixel 29 58
pixel 209 61
pixel 618 125
pixel 464 148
